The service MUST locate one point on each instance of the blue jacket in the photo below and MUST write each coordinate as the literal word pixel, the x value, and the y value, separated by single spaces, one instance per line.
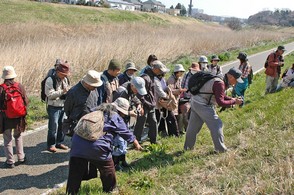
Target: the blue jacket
pixel 102 148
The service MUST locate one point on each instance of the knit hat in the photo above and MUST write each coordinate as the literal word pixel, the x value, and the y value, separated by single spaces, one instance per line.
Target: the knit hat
pixel 8 72
pixel 93 78
pixel 114 65
pixel 122 105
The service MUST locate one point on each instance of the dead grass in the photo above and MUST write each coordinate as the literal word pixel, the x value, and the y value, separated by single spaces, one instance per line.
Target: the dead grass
pixel 33 47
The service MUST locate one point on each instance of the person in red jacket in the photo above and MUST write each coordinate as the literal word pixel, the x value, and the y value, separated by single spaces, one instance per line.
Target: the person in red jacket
pixel 273 70
pixel 7 123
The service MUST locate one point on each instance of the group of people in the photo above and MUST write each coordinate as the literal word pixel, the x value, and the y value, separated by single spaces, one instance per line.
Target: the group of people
pixel 121 96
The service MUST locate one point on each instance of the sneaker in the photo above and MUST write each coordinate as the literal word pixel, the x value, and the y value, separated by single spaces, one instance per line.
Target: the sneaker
pixel 62 147
pixel 22 161
pixel 52 149
pixel 9 166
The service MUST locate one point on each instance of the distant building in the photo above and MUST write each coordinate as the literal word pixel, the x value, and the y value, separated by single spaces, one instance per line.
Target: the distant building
pixel 173 12
pixel 138 4
pixel 153 6
pixel 122 5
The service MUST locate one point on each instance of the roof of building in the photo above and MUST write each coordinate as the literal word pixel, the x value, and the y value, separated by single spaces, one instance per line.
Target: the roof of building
pixel 119 2
pixel 135 2
pixel 154 2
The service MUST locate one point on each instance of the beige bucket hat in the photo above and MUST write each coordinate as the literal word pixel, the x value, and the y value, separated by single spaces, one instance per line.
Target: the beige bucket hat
pixel 8 72
pixel 93 78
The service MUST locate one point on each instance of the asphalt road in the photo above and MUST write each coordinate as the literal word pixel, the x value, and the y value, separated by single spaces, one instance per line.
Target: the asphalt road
pixel 257 60
pixel 44 171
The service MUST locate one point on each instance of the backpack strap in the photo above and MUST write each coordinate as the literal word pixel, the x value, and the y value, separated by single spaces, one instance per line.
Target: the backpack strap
pixel 217 69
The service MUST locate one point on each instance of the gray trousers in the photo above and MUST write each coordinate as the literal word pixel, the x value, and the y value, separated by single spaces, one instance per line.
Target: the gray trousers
pixel 8 148
pixel 201 114
pixel 150 117
pixel 271 84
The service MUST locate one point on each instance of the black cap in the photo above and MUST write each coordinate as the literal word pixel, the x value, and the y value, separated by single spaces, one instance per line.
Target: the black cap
pixel 281 47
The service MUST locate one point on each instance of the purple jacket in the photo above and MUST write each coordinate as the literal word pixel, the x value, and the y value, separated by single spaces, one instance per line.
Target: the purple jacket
pixel 101 149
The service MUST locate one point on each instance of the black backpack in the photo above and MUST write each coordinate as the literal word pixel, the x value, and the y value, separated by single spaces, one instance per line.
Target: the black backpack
pixel 197 81
pixel 43 82
pixel 43 95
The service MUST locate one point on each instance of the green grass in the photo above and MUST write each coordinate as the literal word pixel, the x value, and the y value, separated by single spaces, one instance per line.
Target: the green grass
pixel 22 11
pixel 260 161
pixel 36 112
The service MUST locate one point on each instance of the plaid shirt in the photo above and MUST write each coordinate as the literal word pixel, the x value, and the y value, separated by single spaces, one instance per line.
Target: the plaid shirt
pixel 245 68
pixel 184 84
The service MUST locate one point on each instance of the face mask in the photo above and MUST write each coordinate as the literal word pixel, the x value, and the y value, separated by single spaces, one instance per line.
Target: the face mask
pixel 193 71
pixel 130 76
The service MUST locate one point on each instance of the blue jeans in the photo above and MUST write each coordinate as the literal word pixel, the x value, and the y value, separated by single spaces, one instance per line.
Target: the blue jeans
pixel 120 146
pixel 55 135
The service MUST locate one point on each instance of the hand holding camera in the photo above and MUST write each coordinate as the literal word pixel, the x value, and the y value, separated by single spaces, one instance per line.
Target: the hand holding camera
pixel 239 100
pixel 281 63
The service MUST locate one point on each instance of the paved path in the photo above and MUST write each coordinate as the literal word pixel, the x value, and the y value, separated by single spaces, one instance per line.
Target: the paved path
pixel 43 170
pixel 257 60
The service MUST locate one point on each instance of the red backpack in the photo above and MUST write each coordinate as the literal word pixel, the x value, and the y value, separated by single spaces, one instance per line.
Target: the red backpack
pixel 14 102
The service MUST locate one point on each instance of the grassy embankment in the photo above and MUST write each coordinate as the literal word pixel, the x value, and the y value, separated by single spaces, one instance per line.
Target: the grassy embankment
pixel 260 161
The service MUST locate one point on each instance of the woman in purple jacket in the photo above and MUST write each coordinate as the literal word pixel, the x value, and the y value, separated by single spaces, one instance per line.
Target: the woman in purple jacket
pixel 87 156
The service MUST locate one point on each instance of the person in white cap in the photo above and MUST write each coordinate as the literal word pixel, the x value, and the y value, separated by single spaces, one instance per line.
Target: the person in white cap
pixel 203 110
pixel 14 119
pixel 99 152
pixel 149 102
pixel 128 74
pixel 128 91
pixel 174 83
pixel 80 99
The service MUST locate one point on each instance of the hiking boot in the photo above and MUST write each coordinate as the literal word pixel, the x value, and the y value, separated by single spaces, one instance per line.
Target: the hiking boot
pixel 9 166
pixel 52 149
pixel 62 147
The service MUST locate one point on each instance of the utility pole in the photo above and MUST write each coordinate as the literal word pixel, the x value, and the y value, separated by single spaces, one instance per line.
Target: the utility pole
pixel 190 8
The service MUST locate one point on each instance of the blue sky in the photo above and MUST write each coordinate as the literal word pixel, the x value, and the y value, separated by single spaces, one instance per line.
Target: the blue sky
pixel 236 8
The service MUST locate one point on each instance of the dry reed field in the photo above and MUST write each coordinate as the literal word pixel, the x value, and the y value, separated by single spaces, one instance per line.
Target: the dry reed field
pixel 33 47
